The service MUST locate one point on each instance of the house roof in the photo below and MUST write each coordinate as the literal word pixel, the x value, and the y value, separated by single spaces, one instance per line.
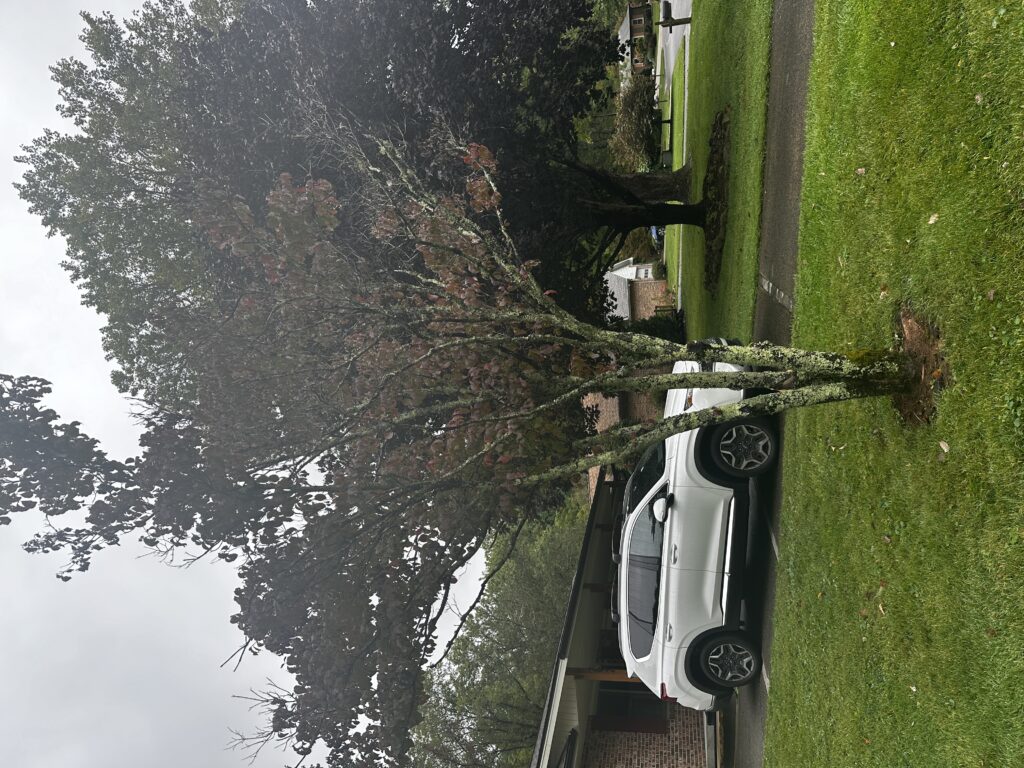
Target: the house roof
pixel 543 746
pixel 624 28
pixel 617 279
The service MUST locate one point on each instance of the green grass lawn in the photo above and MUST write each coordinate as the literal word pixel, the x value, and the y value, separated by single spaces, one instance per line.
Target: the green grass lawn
pixel 899 625
pixel 729 70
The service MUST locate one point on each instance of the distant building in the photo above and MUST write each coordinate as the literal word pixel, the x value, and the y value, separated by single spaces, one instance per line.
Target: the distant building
pixel 636 32
pixel 638 294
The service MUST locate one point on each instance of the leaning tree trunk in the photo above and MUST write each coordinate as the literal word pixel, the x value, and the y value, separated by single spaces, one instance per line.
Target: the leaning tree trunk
pixel 787 377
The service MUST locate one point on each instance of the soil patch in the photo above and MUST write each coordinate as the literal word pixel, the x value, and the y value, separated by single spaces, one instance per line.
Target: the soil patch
pixel 921 342
pixel 716 200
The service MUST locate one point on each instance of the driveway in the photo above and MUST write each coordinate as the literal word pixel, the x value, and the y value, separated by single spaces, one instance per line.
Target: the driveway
pixel 743 722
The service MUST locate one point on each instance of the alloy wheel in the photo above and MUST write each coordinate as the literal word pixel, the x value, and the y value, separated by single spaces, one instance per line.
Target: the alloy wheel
pixel 745 447
pixel 731 663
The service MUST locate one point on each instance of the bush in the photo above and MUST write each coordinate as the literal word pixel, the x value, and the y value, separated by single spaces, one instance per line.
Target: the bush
pixel 635 142
pixel 670 326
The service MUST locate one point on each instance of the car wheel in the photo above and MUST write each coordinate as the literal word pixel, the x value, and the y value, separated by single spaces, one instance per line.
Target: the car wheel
pixel 744 448
pixel 729 660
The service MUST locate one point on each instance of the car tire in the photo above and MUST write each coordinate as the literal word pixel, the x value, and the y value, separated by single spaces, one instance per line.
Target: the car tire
pixel 743 449
pixel 729 659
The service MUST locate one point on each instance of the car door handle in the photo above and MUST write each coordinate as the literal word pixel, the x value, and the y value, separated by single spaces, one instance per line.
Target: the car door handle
pixel 675 553
pixel 669 633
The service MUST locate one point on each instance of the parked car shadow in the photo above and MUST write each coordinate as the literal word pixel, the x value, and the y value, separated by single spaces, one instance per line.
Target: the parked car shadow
pixel 743 718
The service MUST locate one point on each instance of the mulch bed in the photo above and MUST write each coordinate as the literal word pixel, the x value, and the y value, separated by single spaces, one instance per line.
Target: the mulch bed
pixel 716 198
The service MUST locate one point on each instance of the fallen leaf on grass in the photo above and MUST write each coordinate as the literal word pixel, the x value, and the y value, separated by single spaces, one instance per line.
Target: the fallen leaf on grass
pixel 887 539
pixel 991 295
pixel 861 171
pixel 881 610
pixel 933 218
pixel 991 631
pixel 944 446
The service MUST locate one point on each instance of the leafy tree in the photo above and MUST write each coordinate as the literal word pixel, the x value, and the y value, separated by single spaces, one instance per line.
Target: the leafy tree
pixel 484 703
pixel 394 340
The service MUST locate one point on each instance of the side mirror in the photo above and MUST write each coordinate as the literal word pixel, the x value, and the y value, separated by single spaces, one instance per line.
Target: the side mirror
pixel 660 509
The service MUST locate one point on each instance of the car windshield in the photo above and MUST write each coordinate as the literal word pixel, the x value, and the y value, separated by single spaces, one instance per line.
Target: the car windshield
pixel 643 580
pixel 648 472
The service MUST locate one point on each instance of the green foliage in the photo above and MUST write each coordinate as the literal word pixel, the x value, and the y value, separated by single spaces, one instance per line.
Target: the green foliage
pixel 609 13
pixel 634 144
pixel 46 464
pixel 663 325
pixel 639 246
pixel 179 96
pixel 484 704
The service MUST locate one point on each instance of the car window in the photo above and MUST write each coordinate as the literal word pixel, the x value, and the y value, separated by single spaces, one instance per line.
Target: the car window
pixel 643 581
pixel 648 472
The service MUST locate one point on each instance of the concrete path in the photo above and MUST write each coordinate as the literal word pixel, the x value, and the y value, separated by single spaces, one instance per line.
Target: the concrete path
pixel 792 36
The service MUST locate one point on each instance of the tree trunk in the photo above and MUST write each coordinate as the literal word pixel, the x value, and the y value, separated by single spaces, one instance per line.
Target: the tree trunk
pixel 672 186
pixel 624 217
pixel 585 181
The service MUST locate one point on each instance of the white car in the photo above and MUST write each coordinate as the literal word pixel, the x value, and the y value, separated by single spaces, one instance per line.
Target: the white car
pixel 682 551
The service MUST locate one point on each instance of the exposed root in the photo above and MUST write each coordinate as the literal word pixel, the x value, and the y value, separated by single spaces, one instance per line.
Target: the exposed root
pixel 921 342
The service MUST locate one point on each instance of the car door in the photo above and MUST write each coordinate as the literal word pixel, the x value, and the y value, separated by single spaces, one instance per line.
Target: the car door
pixel 694 557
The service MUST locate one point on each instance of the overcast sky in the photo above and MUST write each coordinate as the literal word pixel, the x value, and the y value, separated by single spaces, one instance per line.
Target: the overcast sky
pixel 120 667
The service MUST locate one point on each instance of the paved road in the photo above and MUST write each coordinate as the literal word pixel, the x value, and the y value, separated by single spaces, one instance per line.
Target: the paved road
pixel 743 722
pixel 672 38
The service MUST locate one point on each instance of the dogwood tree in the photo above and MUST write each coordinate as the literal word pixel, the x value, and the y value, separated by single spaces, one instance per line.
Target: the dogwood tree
pixel 377 385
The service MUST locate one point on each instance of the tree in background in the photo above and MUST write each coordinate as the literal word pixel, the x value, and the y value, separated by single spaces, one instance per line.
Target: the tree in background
pixel 484 703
